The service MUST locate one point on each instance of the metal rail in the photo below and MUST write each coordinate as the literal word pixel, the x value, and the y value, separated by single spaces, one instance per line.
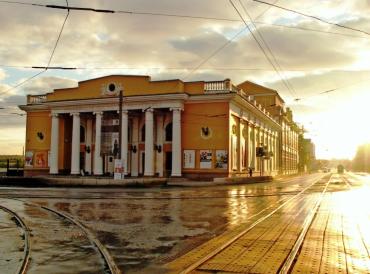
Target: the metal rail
pixel 103 251
pixel 27 247
pixel 286 267
pixel 195 265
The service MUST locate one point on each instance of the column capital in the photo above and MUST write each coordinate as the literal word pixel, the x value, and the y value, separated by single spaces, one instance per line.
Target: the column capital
pixel 53 115
pixel 74 114
pixel 176 109
pixel 98 112
pixel 124 111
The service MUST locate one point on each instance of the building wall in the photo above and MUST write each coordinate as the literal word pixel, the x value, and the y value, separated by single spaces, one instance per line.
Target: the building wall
pixel 219 130
pixel 37 141
pixel 196 116
pixel 132 86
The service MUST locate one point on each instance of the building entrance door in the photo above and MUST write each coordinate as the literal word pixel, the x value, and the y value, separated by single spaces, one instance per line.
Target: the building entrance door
pixel 168 163
pixel 82 161
pixel 142 168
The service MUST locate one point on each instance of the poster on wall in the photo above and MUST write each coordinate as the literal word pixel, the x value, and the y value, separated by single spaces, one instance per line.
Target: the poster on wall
pixel 28 159
pixel 40 159
pixel 205 158
pixel 189 158
pixel 118 170
pixel 221 159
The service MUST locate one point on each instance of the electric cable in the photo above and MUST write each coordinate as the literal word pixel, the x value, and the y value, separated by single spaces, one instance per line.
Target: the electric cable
pixel 50 59
pixel 313 17
pixel 283 77
pixel 186 16
pixel 259 45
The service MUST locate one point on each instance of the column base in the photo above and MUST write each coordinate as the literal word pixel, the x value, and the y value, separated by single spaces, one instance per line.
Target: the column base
pixel 176 175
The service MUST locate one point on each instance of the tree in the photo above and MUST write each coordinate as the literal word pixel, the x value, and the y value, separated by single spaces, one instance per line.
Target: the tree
pixel 361 162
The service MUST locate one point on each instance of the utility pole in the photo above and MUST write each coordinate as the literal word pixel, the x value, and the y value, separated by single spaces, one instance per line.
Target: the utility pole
pixel 120 124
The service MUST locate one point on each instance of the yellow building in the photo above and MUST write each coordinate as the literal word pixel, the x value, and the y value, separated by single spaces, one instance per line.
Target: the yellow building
pixel 169 128
pixel 290 131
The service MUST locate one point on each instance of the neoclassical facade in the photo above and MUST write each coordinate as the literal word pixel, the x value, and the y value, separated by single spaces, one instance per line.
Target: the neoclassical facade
pixel 270 99
pixel 169 128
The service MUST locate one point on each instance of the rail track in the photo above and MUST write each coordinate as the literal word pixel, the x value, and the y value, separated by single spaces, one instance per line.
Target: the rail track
pixel 26 236
pixel 289 260
pixel 109 264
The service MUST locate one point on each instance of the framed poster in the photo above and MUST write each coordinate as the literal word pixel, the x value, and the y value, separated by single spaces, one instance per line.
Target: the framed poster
pixel 40 159
pixel 221 159
pixel 205 159
pixel 189 158
pixel 28 159
pixel 118 170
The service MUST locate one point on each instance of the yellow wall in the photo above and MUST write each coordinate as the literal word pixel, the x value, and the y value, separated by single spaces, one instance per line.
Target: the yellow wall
pixel 38 122
pixel 194 87
pixel 132 85
pixel 211 115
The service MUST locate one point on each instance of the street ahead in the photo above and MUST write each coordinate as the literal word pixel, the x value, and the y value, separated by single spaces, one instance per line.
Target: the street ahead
pixel 313 223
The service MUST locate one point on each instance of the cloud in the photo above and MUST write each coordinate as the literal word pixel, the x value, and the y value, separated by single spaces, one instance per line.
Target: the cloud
pixel 3 74
pixel 47 84
pixel 313 61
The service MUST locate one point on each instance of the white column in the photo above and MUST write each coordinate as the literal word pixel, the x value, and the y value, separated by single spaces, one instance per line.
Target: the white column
pixel 88 157
pixel 257 144
pixel 54 144
pixel 75 160
pixel 176 142
pixel 253 147
pixel 240 145
pixel 149 143
pixel 270 150
pixel 276 153
pixel 98 161
pixel 159 142
pixel 135 148
pixel 124 141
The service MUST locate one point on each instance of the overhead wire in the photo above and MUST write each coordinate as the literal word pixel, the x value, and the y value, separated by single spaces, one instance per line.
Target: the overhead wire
pixel 68 8
pixel 259 45
pixel 49 61
pixel 215 52
pixel 281 71
pixel 194 17
pixel 313 17
pixel 332 90
pixel 151 68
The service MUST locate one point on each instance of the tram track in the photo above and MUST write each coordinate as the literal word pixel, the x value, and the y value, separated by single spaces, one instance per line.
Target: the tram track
pixel 26 237
pixel 110 266
pixel 287 264
pixel 113 269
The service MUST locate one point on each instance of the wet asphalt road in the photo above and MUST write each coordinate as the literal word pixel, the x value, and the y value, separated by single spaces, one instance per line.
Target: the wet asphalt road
pixel 143 228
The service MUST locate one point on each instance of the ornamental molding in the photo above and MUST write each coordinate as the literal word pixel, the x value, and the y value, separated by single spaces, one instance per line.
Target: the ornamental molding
pixel 111 89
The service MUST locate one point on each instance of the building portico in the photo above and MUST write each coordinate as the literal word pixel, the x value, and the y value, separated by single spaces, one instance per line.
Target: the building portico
pixel 169 128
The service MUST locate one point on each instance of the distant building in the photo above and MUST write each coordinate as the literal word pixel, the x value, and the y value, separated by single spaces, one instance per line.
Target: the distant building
pixel 288 153
pixel 169 128
pixel 307 156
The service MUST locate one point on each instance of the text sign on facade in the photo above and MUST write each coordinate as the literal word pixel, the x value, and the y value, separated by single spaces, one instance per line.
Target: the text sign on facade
pixel 118 169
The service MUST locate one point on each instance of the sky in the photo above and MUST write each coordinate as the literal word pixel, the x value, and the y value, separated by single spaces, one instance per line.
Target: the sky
pixel 313 57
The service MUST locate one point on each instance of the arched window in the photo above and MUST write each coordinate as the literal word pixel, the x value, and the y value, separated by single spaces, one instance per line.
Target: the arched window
pixel 82 134
pixel 143 133
pixel 168 132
